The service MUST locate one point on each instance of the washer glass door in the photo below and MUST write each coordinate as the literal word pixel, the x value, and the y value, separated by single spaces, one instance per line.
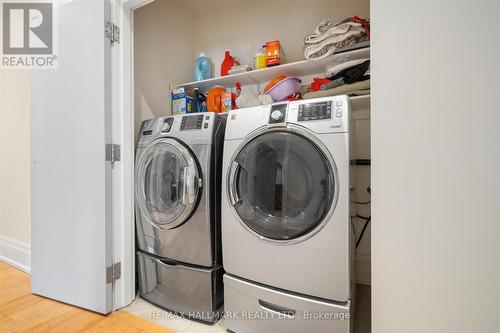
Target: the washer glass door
pixel 168 183
pixel 281 185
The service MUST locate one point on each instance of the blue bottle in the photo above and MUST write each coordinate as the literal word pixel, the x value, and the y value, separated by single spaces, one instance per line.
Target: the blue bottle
pixel 202 68
pixel 199 102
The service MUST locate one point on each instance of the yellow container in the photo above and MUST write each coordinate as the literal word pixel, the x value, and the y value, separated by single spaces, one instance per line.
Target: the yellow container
pixel 260 60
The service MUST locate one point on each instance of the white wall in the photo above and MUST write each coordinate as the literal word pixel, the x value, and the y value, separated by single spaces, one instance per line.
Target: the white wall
pixel 436 163
pixel 163 40
pixel 15 167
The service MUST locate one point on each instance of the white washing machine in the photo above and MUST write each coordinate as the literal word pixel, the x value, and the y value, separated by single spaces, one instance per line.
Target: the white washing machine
pixel 287 240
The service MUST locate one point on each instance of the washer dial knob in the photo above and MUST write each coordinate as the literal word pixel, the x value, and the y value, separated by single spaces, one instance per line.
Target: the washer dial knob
pixel 276 114
pixel 165 128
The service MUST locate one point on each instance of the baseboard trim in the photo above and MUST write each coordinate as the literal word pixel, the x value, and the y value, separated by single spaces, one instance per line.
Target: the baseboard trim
pixel 15 253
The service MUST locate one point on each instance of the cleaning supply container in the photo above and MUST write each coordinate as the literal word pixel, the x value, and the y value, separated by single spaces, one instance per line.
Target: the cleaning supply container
pixel 228 62
pixel 202 68
pixel 260 58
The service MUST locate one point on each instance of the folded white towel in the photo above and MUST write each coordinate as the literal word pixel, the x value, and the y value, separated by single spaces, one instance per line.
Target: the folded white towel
pixel 323 26
pixel 326 47
pixel 333 31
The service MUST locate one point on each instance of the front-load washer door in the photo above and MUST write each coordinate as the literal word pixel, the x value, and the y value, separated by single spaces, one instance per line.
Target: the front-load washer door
pixel 168 183
pixel 282 185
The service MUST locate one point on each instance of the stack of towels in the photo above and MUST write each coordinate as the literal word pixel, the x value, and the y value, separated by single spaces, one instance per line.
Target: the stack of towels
pixel 329 36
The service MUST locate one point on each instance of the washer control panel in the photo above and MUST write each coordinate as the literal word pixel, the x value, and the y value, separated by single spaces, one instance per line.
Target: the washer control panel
pixel 192 122
pixel 315 111
pixel 278 113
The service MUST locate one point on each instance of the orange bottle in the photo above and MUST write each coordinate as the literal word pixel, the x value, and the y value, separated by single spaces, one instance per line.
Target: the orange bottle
pixel 215 99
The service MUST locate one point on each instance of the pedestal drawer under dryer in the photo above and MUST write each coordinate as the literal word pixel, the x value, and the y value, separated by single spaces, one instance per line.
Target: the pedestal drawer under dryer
pixel 253 308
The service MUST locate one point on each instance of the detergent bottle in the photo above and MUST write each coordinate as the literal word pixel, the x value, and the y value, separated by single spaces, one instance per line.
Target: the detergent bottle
pixel 202 68
pixel 227 63
pixel 260 58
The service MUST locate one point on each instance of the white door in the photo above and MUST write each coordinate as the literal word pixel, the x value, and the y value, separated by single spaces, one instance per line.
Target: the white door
pixel 71 181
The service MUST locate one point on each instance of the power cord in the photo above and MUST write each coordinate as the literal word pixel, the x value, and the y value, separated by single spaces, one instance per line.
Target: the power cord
pixel 361 202
pixel 353 226
pixel 368 219
pixel 369 190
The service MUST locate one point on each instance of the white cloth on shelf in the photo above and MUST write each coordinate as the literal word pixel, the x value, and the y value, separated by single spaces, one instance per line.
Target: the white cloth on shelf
pixel 333 31
pixel 329 36
pixel 251 98
pixel 328 46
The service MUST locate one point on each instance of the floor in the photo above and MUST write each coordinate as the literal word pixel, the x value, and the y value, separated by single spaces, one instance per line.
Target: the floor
pixel 147 311
pixel 21 311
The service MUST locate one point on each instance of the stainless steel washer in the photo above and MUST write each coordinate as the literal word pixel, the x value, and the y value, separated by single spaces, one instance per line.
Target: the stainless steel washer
pixel 177 194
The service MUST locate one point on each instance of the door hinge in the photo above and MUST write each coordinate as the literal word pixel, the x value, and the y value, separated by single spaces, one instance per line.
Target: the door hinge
pixel 112 152
pixel 113 272
pixel 112 32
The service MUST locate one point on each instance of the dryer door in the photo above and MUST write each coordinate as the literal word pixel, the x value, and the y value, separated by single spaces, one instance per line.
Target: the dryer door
pixel 282 185
pixel 168 183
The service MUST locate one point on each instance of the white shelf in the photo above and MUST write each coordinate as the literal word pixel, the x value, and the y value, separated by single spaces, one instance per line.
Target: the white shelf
pixel 298 69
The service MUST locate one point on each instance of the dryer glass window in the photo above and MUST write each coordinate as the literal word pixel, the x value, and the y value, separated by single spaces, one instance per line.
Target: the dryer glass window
pixel 168 184
pixel 282 185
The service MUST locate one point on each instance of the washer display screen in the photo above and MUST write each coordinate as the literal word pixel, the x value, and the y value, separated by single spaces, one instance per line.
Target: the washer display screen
pixel 315 111
pixel 191 122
